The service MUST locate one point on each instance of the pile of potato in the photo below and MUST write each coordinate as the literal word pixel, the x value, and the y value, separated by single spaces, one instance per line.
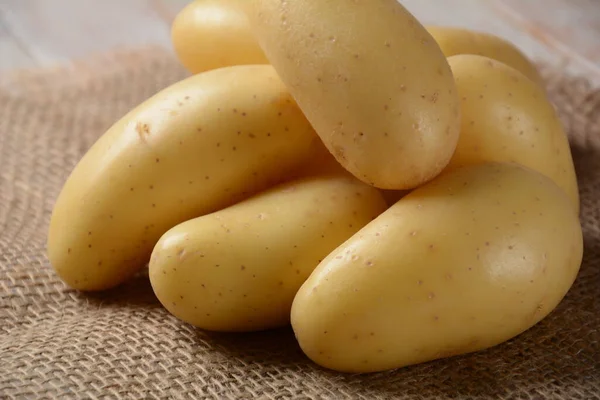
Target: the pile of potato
pixel 399 193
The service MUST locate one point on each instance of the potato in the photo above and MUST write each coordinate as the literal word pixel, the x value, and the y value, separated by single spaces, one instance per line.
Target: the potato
pixel 320 162
pixel 196 147
pixel 371 80
pixel 208 34
pixel 507 118
pixel 239 269
pixel 454 41
pixel 468 261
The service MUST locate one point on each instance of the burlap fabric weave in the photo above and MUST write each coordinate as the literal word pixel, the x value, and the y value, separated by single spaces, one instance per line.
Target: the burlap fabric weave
pixel 58 343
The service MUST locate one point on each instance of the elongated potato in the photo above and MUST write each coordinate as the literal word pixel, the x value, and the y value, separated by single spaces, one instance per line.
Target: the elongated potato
pixel 239 269
pixel 209 34
pixel 466 262
pixel 370 79
pixel 200 145
pixel 507 118
pixel 454 41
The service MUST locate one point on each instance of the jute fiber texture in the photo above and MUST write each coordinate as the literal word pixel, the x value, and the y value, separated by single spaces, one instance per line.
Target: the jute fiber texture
pixel 57 343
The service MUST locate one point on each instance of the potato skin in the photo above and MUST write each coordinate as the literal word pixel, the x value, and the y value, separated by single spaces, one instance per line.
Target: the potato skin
pixel 454 41
pixel 507 118
pixel 200 145
pixel 209 34
pixel 370 79
pixel 468 261
pixel 239 269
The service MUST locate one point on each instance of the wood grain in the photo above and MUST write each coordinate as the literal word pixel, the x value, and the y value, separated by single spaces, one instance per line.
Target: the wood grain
pixel 44 32
pixel 573 23
pixel 168 9
pixel 12 53
pixel 569 28
pixel 60 30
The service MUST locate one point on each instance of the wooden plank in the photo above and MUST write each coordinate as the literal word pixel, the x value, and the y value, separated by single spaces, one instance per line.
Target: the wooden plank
pixel 570 28
pixel 477 15
pixel 12 53
pixel 46 32
pixel 573 23
pixel 61 30
pixel 168 9
pixel 493 16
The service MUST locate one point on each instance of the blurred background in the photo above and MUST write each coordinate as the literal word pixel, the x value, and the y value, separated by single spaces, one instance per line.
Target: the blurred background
pixel 39 33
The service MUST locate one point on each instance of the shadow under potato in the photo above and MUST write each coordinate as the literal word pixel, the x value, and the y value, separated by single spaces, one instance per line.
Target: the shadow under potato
pixel 135 292
pixel 561 354
pixel 56 343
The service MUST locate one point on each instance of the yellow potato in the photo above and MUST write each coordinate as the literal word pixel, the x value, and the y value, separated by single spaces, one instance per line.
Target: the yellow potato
pixel 507 118
pixel 200 145
pixel 320 162
pixel 468 261
pixel 208 34
pixel 370 79
pixel 239 269
pixel 454 41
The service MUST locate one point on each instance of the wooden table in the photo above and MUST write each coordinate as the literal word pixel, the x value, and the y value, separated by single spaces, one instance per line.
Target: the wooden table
pixel 35 33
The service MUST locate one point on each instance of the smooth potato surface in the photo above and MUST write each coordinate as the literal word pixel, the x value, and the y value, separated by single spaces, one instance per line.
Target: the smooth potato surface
pixel 239 269
pixel 466 262
pixel 507 118
pixel 454 41
pixel 370 79
pixel 209 34
pixel 198 146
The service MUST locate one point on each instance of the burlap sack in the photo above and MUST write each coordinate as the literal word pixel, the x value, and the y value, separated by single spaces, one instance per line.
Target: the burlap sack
pixel 57 343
